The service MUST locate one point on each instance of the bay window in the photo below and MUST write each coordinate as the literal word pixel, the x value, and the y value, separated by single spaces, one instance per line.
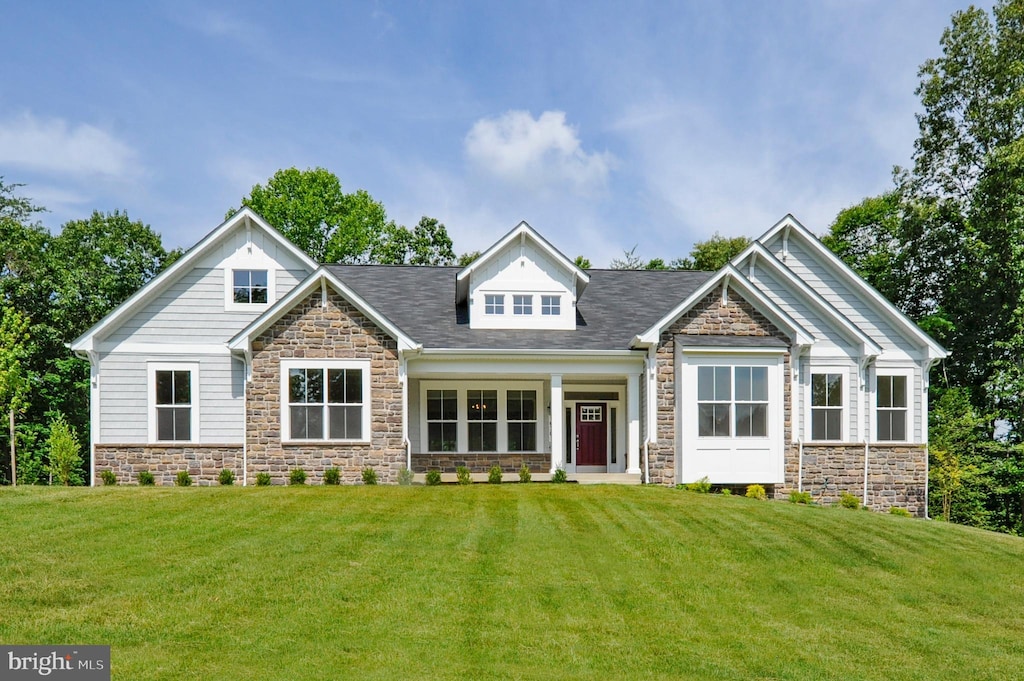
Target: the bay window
pixel 732 401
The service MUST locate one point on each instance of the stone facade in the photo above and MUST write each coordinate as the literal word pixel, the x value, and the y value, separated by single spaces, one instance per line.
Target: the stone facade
pixel 537 462
pixel 336 330
pixel 709 317
pixel 203 462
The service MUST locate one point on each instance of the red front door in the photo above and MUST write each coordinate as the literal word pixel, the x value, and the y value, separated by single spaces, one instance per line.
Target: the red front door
pixel 591 435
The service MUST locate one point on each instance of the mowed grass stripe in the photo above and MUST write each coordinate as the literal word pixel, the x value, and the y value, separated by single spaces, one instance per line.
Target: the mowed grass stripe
pixel 511 581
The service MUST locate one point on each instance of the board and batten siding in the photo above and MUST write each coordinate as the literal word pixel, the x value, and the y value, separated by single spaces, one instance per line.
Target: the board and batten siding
pixel 124 402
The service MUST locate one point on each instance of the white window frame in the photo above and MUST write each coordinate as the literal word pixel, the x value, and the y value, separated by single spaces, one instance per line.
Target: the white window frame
pixel 325 364
pixel 908 373
pixel 844 410
pixel 229 288
pixel 502 387
pixel 732 365
pixel 193 369
pixel 550 305
pixel 522 304
pixel 495 307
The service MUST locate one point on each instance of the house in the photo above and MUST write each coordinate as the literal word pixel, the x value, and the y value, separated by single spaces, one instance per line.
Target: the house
pixel 783 368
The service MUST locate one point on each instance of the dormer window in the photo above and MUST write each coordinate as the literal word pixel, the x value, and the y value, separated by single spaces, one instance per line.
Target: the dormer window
pixel 522 305
pixel 249 287
pixel 494 304
pixel 550 306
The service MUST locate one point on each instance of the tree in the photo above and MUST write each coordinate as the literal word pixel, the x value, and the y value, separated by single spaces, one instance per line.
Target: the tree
pixel 65 460
pixel 629 261
pixel 713 254
pixel 14 385
pixel 582 263
pixel 427 243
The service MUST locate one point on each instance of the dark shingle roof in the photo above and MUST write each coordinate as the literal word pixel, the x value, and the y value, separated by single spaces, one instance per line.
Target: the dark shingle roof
pixel 617 305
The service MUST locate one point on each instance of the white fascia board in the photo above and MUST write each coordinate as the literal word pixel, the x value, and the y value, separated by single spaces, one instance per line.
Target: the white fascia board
pixel 320 277
pixel 87 341
pixel 734 279
pixel 518 232
pixel 569 355
pixel 903 322
pixel 868 346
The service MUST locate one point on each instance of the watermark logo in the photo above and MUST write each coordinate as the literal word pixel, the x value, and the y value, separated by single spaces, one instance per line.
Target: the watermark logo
pixel 78 663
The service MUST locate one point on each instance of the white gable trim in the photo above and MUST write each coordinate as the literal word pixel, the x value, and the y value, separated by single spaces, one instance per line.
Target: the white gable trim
pixel 789 225
pixel 730 277
pixel 181 266
pixel 319 280
pixel 520 231
pixel 757 250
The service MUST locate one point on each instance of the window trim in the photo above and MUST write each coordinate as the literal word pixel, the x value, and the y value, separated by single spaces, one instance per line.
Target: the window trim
pixel 229 288
pixel 550 305
pixel 495 308
pixel 462 430
pixel 908 373
pixel 324 364
pixel 522 304
pixel 151 405
pixel 733 402
pixel 844 410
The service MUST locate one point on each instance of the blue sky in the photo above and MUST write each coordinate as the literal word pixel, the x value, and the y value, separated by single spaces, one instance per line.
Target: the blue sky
pixel 603 124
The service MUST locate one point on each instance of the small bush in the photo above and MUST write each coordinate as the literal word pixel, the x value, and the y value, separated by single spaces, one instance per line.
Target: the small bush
pixel 405 477
pixel 726 492
pixel 108 477
pixel 902 512
pixel 524 474
pixel 494 477
pixel 799 497
pixel 226 476
pixel 146 478
pixel 702 486
pixel 183 479
pixel 263 479
pixel 369 476
pixel 756 492
pixel 463 476
pixel 297 476
pixel 65 457
pixel 559 476
pixel 434 477
pixel 332 476
pixel 847 500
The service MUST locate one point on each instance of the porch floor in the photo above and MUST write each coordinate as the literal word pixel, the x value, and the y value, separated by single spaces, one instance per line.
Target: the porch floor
pixel 580 478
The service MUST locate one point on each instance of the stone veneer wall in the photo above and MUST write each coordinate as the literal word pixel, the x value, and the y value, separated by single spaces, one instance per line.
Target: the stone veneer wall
pixel 203 462
pixel 336 331
pixel 709 317
pixel 897 474
pixel 537 462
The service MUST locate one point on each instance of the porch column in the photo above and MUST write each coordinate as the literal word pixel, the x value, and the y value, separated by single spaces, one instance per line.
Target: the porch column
pixel 557 424
pixel 633 424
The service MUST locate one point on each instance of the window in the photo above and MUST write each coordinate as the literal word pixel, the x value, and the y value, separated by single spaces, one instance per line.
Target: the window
pixel 442 420
pixel 482 414
pixel 522 305
pixel 892 408
pixel 494 303
pixel 326 400
pixel 173 405
pixel 521 416
pixel 249 286
pixel 827 406
pixel 732 401
pixel 550 305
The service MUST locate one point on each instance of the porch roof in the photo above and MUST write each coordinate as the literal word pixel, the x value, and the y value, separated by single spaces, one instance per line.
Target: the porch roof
pixel 421 301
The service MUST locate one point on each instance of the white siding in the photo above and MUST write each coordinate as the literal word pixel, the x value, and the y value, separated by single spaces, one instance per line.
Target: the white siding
pixel 414 414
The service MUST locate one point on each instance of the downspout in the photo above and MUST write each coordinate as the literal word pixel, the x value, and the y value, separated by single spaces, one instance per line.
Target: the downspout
pixel 403 377
pixel 247 369
pixel 94 408
pixel 925 383
pixel 649 363
pixel 865 421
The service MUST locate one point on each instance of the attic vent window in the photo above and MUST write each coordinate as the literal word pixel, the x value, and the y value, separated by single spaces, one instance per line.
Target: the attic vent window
pixel 551 305
pixel 494 304
pixel 522 305
pixel 250 286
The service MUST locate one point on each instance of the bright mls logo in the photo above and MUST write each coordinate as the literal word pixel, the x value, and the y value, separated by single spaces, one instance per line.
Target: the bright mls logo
pixel 81 663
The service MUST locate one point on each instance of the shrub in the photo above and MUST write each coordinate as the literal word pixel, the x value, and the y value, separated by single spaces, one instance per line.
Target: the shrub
pixel 702 486
pixel 65 459
pixel 725 492
pixel 226 477
pixel 146 478
pixel 434 477
pixel 332 476
pixel 756 492
pixel 463 476
pixel 559 476
pixel 494 477
pixel 369 476
pixel 297 476
pixel 847 500
pixel 183 479
pixel 524 474
pixel 108 477
pixel 263 479
pixel 799 497
pixel 405 477
pixel 902 512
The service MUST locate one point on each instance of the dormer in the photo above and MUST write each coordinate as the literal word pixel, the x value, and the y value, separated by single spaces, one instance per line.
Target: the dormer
pixel 521 282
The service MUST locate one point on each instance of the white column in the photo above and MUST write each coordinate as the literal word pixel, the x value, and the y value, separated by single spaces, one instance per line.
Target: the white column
pixel 633 418
pixel 557 424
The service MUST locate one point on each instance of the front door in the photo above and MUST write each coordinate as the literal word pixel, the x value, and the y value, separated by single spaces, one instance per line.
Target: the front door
pixel 591 435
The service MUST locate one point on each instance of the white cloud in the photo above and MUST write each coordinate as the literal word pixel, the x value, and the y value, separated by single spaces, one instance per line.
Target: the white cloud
pixel 541 153
pixel 52 145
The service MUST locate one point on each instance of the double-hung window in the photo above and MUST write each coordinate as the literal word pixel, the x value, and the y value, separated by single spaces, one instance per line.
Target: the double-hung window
pixel 522 304
pixel 482 415
pixel 732 401
pixel 173 401
pixel 550 306
pixel 521 417
pixel 827 406
pixel 326 400
pixel 891 408
pixel 494 303
pixel 442 420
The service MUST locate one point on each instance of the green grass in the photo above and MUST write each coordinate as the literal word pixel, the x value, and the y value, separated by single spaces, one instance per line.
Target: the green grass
pixel 503 581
